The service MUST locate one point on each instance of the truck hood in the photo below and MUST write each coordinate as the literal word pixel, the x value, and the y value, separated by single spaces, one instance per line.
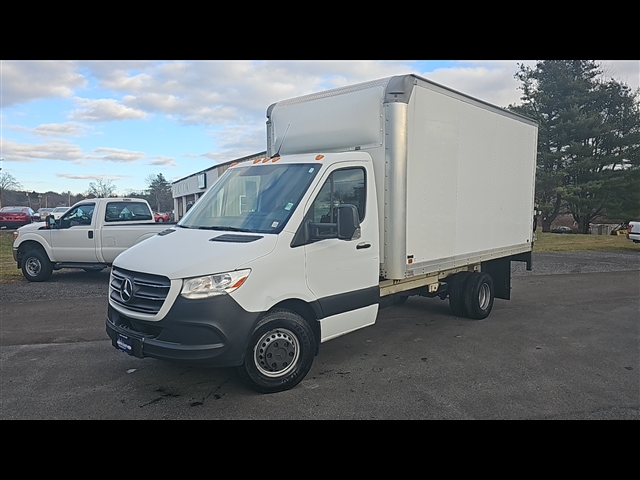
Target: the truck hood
pixel 32 227
pixel 184 253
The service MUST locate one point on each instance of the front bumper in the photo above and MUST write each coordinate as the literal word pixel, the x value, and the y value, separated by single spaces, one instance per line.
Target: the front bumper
pixel 208 332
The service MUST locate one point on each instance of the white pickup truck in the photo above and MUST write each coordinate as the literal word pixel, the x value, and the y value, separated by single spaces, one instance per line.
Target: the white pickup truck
pixel 88 236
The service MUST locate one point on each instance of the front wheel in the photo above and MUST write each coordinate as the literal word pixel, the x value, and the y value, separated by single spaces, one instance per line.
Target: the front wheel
pixel 36 266
pixel 160 220
pixel 280 352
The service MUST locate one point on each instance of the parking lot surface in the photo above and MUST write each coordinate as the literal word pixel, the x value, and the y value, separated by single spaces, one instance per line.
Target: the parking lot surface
pixel 567 346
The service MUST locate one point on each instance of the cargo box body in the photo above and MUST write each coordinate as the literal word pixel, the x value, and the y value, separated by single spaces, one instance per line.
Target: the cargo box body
pixel 455 176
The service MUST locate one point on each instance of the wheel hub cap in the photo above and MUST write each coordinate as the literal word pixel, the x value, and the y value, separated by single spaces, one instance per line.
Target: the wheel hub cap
pixel 276 353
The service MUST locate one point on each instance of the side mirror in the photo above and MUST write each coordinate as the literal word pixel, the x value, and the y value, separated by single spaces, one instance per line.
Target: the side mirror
pixel 348 222
pixel 51 221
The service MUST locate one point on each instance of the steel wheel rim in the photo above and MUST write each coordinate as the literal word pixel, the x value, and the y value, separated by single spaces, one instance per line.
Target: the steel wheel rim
pixel 33 266
pixel 484 296
pixel 277 353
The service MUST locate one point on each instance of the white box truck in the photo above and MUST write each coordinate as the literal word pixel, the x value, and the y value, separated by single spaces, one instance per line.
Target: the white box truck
pixel 369 194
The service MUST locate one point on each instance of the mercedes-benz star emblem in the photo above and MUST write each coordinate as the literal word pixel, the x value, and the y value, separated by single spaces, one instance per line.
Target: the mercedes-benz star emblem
pixel 126 290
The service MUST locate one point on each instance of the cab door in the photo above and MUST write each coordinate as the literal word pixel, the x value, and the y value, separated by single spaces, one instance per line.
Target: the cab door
pixel 74 239
pixel 343 273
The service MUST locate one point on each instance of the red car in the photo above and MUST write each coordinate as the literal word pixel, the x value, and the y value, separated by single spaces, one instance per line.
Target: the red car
pixel 13 217
pixel 160 217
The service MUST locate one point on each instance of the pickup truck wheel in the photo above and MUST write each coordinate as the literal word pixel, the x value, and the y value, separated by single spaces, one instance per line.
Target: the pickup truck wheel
pixel 279 354
pixel 457 285
pixel 36 266
pixel 478 296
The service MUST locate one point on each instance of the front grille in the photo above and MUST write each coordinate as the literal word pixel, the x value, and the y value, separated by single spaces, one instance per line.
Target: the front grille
pixel 148 294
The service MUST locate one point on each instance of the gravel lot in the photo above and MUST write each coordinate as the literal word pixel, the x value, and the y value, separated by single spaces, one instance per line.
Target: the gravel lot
pixel 550 263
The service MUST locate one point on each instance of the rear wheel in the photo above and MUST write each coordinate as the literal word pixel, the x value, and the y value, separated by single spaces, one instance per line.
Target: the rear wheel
pixel 36 266
pixel 478 296
pixel 160 220
pixel 280 352
pixel 456 289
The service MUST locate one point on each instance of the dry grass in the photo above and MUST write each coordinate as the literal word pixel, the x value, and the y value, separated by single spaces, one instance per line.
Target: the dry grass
pixel 556 242
pixel 8 271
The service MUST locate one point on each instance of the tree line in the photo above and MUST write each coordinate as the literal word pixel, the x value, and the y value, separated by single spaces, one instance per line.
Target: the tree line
pixel 588 161
pixel 157 193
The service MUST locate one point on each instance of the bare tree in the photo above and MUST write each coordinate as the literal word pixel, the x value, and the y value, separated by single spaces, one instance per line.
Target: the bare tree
pixel 8 182
pixel 101 188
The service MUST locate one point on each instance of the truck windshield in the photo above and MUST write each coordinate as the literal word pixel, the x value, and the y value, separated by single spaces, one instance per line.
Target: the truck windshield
pixel 255 198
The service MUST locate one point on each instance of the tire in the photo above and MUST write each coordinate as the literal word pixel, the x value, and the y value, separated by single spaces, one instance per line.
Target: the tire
pixel 478 296
pixel 285 338
pixel 36 266
pixel 160 220
pixel 456 293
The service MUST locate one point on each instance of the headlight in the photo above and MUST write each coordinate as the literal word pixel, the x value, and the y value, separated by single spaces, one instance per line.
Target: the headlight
pixel 212 285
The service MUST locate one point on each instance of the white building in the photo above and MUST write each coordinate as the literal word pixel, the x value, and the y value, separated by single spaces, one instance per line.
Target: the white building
pixel 189 189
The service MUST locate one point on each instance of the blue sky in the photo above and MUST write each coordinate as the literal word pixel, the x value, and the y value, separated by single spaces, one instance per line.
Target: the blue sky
pixel 65 124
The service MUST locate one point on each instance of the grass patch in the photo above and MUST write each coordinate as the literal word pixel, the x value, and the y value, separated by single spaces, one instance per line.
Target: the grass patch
pixel 8 271
pixel 556 242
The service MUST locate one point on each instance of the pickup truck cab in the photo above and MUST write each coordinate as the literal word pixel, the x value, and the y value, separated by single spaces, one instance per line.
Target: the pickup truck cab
pixel 90 235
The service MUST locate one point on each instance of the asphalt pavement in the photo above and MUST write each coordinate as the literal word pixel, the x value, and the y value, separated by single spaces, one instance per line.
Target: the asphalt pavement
pixel 565 347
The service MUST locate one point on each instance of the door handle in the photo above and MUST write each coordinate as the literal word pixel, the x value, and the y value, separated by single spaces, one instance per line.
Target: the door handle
pixel 362 245
pixel 90 233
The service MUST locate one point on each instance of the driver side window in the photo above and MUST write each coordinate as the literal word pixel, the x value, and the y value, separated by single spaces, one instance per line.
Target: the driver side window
pixel 80 215
pixel 342 187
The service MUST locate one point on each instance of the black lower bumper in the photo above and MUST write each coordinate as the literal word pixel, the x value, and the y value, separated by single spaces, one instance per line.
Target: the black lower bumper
pixel 209 332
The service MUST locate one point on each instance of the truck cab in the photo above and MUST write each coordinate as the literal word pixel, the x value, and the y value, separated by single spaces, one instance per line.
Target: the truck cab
pixel 300 230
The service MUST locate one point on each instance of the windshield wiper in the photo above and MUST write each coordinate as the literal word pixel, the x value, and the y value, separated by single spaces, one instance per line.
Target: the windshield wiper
pixel 181 226
pixel 230 229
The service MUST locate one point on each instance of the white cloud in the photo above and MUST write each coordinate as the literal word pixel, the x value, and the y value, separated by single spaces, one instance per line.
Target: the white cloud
pixel 55 150
pixel 91 176
pixel 103 110
pixel 627 71
pixel 491 82
pixel 59 129
pixel 117 155
pixel 23 81
pixel 224 92
pixel 163 161
pixel 237 141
